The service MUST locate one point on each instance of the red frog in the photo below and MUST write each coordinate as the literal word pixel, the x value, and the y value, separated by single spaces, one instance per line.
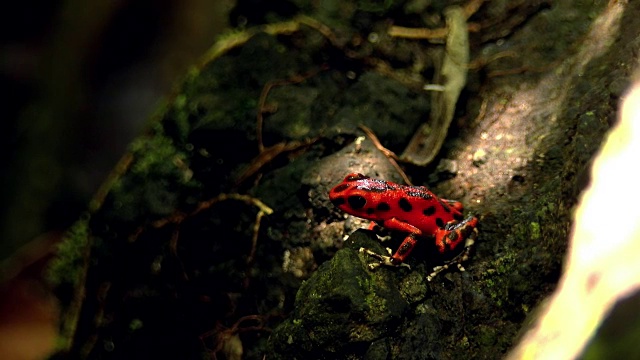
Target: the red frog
pixel 411 209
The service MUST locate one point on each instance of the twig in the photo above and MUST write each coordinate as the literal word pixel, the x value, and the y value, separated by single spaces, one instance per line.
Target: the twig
pixel 391 156
pixel 296 79
pixel 468 9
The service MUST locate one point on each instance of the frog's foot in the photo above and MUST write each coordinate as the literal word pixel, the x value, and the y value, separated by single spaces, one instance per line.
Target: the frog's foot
pixel 384 259
pixel 463 256
pixel 439 269
pixel 383 238
pixel 373 226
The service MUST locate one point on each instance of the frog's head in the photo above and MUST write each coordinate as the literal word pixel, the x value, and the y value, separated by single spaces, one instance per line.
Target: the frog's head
pixel 344 195
pixel 359 195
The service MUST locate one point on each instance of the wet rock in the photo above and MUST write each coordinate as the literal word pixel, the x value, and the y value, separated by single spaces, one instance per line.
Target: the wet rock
pixel 343 310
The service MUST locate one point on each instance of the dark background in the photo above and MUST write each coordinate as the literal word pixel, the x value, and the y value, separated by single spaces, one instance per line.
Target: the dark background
pixel 79 80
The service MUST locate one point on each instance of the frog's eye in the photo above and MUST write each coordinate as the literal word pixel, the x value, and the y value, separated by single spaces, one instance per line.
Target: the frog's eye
pixel 337 201
pixel 356 202
pixel 355 177
pixel 340 188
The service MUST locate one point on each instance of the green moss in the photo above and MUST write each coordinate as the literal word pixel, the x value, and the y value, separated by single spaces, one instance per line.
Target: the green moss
pixel 376 304
pixel 496 279
pixel 180 116
pixel 487 335
pixel 158 178
pixel 136 324
pixel 68 265
pixel 535 230
pixel 413 287
pixel 157 154
pixel 66 272
pixel 344 303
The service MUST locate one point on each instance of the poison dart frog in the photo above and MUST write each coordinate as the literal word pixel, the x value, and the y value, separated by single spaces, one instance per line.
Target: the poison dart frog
pixel 410 209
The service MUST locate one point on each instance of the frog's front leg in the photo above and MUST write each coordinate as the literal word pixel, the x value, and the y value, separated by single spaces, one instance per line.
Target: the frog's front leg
pixel 455 232
pixel 448 239
pixel 397 259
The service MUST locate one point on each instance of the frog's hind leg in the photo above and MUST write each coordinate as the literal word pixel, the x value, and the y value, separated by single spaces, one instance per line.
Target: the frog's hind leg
pixel 377 229
pixel 397 259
